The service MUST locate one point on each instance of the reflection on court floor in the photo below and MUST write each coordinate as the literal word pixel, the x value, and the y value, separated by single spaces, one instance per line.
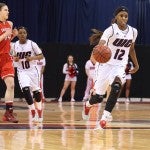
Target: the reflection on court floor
pixel 63 128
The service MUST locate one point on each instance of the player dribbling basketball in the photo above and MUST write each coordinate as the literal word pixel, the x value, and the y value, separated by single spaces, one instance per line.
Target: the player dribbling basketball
pixel 120 38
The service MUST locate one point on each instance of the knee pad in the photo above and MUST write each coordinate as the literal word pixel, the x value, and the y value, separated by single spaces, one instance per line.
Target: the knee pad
pixel 27 95
pixel 116 88
pixel 37 96
pixel 96 99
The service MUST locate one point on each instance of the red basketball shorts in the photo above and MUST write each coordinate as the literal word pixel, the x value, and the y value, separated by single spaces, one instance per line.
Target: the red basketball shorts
pixel 6 66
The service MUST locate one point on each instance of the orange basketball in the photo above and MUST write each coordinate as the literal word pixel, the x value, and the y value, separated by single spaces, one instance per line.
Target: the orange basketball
pixel 101 53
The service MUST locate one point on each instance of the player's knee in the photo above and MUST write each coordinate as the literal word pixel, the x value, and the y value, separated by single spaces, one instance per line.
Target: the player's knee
pixel 10 84
pixel 37 96
pixel 116 87
pixel 96 99
pixel 27 95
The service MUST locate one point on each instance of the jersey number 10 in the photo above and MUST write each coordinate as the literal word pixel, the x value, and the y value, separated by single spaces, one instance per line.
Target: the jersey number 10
pixel 25 64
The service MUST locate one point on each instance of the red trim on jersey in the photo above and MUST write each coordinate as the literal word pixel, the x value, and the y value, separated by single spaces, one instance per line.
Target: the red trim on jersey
pixel 9 75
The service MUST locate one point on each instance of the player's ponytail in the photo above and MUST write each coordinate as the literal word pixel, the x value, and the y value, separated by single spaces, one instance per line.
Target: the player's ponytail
pixel 95 36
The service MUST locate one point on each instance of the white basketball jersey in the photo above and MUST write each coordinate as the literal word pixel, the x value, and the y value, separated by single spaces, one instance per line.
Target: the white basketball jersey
pixel 91 67
pixel 30 48
pixel 119 42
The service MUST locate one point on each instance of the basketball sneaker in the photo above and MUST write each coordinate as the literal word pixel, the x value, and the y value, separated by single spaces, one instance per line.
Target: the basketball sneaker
pixel 85 112
pixel 40 120
pixel 10 116
pixel 60 99
pixel 127 100
pixel 72 100
pixel 105 119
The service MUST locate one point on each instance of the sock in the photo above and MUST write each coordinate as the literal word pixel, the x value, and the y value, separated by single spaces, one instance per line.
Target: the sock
pixel 88 104
pixel 32 109
pixel 9 105
pixel 105 113
pixel 39 109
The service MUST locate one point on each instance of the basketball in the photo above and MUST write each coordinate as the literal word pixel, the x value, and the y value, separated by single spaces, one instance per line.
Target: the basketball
pixel 101 53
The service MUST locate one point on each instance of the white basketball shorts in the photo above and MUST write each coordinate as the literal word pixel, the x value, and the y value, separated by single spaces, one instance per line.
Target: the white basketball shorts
pixel 105 75
pixel 29 78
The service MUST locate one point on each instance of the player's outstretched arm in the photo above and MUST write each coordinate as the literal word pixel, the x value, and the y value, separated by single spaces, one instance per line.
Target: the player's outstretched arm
pixel 134 59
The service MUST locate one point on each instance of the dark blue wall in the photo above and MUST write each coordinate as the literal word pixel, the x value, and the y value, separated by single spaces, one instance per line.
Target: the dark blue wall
pixel 70 21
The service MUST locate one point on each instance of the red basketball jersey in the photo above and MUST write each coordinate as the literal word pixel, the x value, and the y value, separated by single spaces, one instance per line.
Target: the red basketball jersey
pixel 5 43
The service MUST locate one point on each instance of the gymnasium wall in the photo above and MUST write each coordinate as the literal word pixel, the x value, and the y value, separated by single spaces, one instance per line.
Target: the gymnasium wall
pixel 56 55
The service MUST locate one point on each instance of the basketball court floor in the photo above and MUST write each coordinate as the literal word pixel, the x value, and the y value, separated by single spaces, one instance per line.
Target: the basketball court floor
pixel 64 129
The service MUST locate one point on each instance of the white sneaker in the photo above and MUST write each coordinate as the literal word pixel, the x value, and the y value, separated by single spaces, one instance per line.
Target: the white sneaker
pixel 108 118
pixel 104 120
pixel 40 120
pixel 127 100
pixel 85 99
pixel 72 100
pixel 85 112
pixel 34 119
pixel 60 99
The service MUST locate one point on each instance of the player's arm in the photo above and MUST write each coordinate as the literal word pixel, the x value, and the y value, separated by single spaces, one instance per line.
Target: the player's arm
pixel 36 57
pixel 42 70
pixel 132 53
pixel 87 71
pixel 13 52
pixel 7 33
pixel 65 69
pixel 106 35
pixel 14 32
pixel 43 66
pixel 134 59
pixel 38 53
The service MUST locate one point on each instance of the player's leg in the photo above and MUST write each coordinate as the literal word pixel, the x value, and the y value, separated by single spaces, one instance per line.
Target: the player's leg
pixel 42 88
pixel 112 99
pixel 7 74
pixel 9 96
pixel 127 89
pixel 25 85
pixel 87 90
pixel 73 85
pixel 65 86
pixel 100 86
pixel 36 90
pixel 38 103
pixel 29 99
pixel 108 92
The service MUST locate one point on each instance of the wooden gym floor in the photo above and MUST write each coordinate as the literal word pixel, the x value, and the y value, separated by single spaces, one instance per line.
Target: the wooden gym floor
pixel 63 128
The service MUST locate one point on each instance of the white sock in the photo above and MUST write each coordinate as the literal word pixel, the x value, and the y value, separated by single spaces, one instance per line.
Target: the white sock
pixel 31 107
pixel 105 114
pixel 88 104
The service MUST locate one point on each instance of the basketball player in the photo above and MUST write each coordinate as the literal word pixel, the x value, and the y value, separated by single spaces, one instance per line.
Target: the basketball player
pixel 71 70
pixel 26 53
pixel 120 38
pixel 41 68
pixel 90 72
pixel 128 80
pixel 6 64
